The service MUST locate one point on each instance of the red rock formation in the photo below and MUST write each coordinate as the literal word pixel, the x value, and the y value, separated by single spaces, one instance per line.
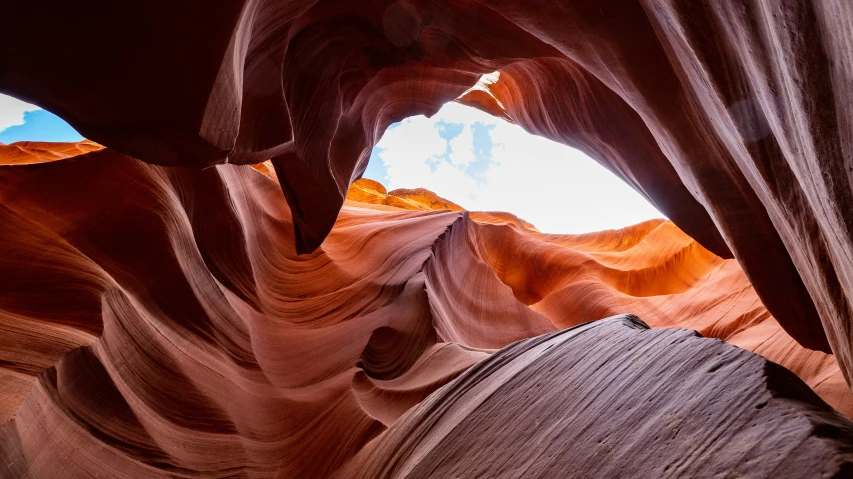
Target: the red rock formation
pixel 32 152
pixel 658 272
pixel 474 426
pixel 210 347
pixel 370 191
pixel 158 321
pixel 732 117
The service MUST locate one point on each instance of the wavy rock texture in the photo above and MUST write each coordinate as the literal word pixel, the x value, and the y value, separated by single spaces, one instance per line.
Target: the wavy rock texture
pixel 365 190
pixel 212 349
pixel 370 191
pixel 549 393
pixel 158 322
pixel 732 117
pixel 32 152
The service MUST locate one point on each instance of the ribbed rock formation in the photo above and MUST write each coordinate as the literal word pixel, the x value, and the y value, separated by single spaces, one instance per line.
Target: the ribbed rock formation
pixel 32 152
pixel 732 117
pixel 158 322
pixel 365 190
pixel 370 191
pixel 535 408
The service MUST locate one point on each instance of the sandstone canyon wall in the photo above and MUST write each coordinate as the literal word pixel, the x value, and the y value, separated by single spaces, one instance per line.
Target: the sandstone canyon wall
pixel 731 116
pixel 159 322
pixel 164 318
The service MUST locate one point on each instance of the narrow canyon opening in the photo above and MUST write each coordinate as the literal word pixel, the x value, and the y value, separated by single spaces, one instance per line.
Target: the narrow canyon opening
pixel 485 163
pixel 200 288
pixel 462 154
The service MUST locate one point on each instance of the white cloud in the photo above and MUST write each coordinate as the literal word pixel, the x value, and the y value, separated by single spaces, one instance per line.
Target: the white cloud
pixel 12 111
pixel 555 187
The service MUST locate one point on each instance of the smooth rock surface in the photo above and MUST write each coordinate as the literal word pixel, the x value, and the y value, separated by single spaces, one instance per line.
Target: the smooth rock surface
pixel 732 117
pixel 614 399
pixel 159 322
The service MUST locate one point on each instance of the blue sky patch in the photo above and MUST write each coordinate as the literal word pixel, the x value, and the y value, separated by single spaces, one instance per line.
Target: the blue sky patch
pixel 40 125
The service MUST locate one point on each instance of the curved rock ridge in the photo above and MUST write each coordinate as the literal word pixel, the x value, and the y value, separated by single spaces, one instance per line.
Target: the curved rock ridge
pixel 732 117
pixel 183 335
pixel 652 268
pixel 32 152
pixel 534 409
pixel 159 322
pixel 365 190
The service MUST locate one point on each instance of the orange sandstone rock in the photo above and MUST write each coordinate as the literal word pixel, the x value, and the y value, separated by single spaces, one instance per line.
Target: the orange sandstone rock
pixel 160 321
pixel 730 116
pixel 32 152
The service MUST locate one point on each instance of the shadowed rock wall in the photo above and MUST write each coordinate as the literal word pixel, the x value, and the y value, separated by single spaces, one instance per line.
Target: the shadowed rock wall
pixel 535 409
pixel 731 116
pixel 158 322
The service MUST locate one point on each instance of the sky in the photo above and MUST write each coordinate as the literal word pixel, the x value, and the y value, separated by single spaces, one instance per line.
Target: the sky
pixel 21 121
pixel 484 163
pixel 478 161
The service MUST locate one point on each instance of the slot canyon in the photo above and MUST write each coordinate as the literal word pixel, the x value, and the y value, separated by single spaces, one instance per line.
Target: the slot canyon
pixel 206 286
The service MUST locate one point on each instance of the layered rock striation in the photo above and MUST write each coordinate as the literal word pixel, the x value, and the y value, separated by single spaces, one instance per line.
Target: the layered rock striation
pixel 732 117
pixel 160 322
pixel 567 381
